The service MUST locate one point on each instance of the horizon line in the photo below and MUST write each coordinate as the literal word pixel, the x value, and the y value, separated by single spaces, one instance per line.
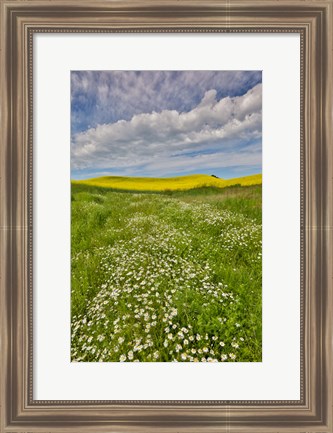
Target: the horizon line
pixel 168 177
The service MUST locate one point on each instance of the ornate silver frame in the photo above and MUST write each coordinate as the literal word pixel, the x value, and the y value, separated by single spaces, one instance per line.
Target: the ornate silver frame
pixel 20 20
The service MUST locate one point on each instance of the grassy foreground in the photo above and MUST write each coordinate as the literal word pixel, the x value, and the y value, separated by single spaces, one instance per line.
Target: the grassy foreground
pixel 166 277
pixel 170 183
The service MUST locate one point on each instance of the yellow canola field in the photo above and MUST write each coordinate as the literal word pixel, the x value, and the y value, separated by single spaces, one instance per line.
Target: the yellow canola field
pixel 168 183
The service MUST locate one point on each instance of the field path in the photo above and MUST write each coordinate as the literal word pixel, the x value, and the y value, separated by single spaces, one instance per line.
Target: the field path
pixel 162 278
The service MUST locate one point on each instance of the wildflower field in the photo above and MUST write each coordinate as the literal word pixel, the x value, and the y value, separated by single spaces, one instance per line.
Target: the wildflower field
pixel 168 276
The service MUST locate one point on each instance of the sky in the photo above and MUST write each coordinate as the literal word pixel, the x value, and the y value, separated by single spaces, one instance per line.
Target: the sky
pixel 166 123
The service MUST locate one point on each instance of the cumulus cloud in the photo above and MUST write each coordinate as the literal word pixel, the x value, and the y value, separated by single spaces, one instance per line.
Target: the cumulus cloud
pixel 216 132
pixel 100 97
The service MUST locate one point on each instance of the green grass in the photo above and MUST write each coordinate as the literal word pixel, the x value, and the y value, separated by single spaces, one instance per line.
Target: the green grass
pixel 173 276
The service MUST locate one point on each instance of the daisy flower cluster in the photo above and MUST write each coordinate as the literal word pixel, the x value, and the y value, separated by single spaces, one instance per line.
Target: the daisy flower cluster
pixel 159 298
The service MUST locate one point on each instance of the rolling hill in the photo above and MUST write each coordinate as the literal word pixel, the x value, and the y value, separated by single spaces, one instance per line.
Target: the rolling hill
pixel 168 183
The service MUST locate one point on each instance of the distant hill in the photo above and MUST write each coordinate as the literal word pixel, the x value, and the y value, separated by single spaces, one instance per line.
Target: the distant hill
pixel 168 183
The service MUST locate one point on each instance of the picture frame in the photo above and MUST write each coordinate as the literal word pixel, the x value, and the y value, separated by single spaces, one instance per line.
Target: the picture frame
pixel 21 20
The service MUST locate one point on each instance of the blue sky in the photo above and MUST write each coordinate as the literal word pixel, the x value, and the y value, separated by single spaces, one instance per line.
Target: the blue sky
pixel 165 123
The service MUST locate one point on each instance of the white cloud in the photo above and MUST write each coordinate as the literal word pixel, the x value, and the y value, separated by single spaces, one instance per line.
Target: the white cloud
pixel 220 129
pixel 107 96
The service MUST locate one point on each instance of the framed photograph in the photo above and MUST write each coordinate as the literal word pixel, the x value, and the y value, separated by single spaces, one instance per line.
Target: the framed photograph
pixel 156 240
pixel 166 216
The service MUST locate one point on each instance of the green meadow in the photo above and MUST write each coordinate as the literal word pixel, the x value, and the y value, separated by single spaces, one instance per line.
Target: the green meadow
pixel 170 275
